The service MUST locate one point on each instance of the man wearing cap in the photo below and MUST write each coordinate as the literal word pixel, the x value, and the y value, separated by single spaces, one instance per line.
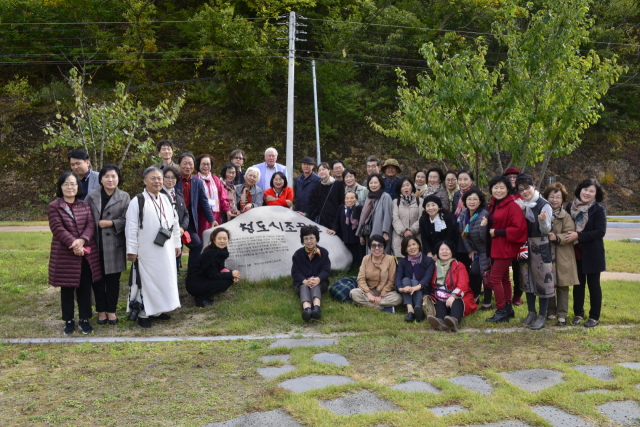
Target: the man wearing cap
pixel 512 174
pixel 391 170
pixel 303 184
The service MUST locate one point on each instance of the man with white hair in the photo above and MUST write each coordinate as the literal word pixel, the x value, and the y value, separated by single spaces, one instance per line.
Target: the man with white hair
pixel 269 167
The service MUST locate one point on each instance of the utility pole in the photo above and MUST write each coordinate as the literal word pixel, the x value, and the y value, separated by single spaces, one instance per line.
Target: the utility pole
pixel 315 107
pixel 292 63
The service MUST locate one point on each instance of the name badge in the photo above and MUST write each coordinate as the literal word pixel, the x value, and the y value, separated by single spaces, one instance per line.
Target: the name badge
pixel 212 203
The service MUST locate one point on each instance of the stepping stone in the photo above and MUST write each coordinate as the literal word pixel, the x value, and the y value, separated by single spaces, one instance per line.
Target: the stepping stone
pixel 362 402
pixel 334 359
pixel 314 382
pixel 305 342
pixel 626 413
pixel 277 418
pixel 280 357
pixel 473 383
pixel 559 418
pixel 632 365
pixel 600 390
pixel 275 371
pixel 595 371
pixel 638 386
pixel 503 424
pixel 416 386
pixel 441 411
pixel 533 379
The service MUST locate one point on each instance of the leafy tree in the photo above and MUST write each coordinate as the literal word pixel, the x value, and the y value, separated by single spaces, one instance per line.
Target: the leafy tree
pixel 110 129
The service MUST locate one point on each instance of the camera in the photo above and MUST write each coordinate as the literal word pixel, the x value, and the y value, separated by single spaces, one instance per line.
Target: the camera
pixel 136 307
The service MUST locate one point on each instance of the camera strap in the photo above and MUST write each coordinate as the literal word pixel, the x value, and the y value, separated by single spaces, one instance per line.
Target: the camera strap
pixel 159 209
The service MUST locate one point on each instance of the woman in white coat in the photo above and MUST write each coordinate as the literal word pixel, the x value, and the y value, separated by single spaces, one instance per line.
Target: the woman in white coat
pixel 153 282
pixel 406 214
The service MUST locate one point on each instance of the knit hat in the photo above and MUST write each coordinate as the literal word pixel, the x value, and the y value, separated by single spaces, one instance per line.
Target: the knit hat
pixel 511 171
pixel 391 162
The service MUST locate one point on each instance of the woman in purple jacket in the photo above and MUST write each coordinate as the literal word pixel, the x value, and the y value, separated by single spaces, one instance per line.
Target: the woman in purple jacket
pixel 74 263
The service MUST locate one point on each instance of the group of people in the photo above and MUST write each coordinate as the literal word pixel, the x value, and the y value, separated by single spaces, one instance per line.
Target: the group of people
pixel 432 239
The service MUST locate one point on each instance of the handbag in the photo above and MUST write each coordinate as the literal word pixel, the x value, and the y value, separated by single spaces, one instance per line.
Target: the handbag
pixel 427 306
pixel 486 284
pixel 368 227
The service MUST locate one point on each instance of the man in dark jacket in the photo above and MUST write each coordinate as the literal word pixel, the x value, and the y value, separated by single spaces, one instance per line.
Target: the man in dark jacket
pixel 81 165
pixel 303 184
pixel 192 189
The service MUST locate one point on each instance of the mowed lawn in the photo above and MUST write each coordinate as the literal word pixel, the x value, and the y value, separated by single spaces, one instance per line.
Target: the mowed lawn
pixel 29 307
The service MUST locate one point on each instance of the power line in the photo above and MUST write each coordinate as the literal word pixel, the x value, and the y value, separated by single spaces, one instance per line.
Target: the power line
pixel 127 22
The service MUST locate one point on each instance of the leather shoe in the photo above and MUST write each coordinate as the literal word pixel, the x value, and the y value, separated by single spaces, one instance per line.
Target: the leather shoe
pixel 162 316
pixel 487 308
pixel 437 323
pixel 509 307
pixel 500 315
pixel 410 317
pixel 591 323
pixel 531 317
pixel 577 320
pixel 538 323
pixel 114 321
pixel 203 302
pixel 102 322
pixel 418 313
pixel 306 314
pixel 452 323
pixel 561 323
pixel 144 323
pixel 316 313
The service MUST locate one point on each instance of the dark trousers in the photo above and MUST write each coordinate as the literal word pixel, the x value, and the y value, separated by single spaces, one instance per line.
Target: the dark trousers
pixel 531 303
pixel 357 253
pixel 408 299
pixel 500 282
pixel 307 294
pixel 515 266
pixel 213 287
pixel 195 247
pixel 456 310
pixel 475 278
pixel 106 292
pixel 82 293
pixel 595 294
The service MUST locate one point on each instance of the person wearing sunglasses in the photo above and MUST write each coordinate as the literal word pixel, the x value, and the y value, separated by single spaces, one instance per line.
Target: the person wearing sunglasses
pixel 237 157
pixel 376 278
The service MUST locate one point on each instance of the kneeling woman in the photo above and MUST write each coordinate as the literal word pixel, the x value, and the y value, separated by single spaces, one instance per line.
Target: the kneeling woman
pixel 208 275
pixel 310 271
pixel 450 291
pixel 413 276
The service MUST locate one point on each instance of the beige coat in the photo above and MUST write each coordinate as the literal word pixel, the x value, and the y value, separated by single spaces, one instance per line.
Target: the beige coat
pixel 405 218
pixel 564 255
pixel 381 278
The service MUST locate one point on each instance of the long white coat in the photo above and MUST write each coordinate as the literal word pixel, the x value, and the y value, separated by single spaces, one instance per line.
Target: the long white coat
pixel 157 264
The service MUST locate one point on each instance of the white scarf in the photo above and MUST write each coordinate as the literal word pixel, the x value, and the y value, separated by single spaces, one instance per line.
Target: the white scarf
pixel 528 206
pixel 438 223
pixel 329 181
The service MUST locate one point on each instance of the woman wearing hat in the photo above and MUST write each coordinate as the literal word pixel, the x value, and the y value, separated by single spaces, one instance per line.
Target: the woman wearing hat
pixel 391 170
pixel 436 225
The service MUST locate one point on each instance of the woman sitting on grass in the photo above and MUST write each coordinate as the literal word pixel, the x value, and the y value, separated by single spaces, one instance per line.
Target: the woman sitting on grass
pixel 208 275
pixel 450 291
pixel 310 271
pixel 413 276
pixel 376 278
pixel 74 263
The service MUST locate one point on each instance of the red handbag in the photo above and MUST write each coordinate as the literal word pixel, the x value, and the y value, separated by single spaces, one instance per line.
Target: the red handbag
pixel 485 279
pixel 186 239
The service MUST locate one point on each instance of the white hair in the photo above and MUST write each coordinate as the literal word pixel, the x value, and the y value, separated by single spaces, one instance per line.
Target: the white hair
pixel 253 169
pixel 271 149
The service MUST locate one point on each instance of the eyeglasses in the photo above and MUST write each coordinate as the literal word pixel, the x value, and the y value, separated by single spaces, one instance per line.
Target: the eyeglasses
pixel 451 179
pixel 377 246
pixel 309 238
pixel 170 178
pixel 70 184
pixel 238 158
pixel 522 190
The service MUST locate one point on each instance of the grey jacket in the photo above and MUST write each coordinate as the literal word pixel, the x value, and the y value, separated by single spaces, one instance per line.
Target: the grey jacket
pixel 257 196
pixel 114 243
pixel 382 221
pixel 476 241
pixel 93 181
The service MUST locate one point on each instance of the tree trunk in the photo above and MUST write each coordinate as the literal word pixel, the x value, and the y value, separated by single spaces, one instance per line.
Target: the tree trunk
pixel 545 163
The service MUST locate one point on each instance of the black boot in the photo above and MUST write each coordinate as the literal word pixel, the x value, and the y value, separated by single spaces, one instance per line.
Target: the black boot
pixel 501 315
pixel 509 307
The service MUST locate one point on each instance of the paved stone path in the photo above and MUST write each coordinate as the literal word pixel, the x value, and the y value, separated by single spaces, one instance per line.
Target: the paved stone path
pixel 367 402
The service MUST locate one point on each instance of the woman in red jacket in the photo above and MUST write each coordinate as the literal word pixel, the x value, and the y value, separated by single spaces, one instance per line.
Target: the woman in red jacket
pixel 506 233
pixel 280 194
pixel 450 291
pixel 74 263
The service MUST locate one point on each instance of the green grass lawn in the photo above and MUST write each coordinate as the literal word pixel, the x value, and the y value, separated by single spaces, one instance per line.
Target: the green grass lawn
pixel 191 383
pixel 29 307
pixel 23 223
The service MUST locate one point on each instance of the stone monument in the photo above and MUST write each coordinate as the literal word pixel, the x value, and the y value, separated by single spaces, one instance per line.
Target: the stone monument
pixel 264 239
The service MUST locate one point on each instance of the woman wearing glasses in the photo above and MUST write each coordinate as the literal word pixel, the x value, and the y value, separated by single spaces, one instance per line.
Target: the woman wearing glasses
pixel 74 263
pixel 376 278
pixel 310 270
